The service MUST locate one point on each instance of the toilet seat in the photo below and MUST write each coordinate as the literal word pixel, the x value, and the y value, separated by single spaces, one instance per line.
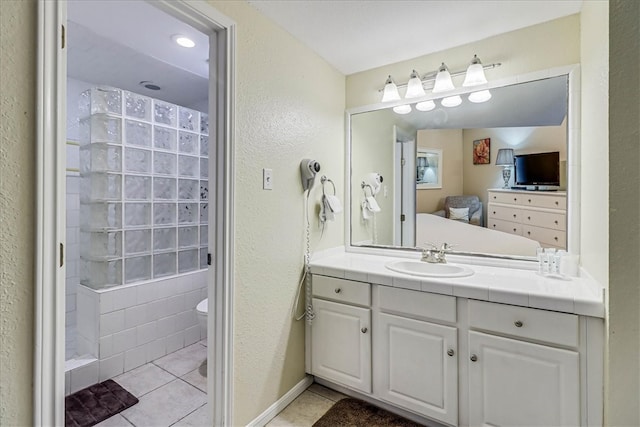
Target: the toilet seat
pixel 203 307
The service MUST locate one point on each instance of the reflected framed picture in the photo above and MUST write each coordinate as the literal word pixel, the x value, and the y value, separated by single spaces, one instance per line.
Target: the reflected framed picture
pixel 482 151
pixel 428 168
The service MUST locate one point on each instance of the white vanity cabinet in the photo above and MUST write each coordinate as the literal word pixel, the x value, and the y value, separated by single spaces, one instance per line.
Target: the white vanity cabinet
pixel 415 358
pixel 513 381
pixel 341 332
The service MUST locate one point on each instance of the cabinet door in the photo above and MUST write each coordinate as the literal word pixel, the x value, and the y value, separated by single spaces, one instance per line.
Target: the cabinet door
pixel 341 344
pixel 515 383
pixel 416 366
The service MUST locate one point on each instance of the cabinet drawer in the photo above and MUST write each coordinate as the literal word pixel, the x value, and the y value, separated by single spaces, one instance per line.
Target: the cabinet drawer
pixel 556 221
pixel 543 201
pixel 418 304
pixel 505 213
pixel 505 226
pixel 510 198
pixel 342 290
pixel 556 238
pixel 539 325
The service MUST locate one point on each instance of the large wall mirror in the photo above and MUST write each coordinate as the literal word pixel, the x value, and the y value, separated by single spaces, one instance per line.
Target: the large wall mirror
pixel 524 129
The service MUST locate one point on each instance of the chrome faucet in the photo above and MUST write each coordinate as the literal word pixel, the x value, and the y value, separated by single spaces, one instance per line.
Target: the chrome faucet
pixel 435 255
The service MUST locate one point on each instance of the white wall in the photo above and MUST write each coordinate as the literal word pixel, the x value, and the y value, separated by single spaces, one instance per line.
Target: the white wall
pixel 623 364
pixel 289 106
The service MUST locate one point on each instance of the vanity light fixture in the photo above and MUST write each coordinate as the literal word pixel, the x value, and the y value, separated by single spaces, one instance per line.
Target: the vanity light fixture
pixel 505 159
pixel 390 91
pixel 442 82
pixel 183 41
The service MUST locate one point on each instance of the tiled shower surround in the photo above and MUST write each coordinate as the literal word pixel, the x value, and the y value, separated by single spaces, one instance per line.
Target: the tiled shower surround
pixel 143 198
pixel 144 188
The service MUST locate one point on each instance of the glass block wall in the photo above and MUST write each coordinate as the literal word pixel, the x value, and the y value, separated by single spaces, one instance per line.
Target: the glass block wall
pixel 144 188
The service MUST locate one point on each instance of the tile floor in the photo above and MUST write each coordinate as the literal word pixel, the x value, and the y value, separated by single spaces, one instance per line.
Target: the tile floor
pixel 172 392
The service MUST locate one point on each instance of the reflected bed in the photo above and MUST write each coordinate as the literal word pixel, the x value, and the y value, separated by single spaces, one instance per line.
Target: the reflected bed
pixel 470 238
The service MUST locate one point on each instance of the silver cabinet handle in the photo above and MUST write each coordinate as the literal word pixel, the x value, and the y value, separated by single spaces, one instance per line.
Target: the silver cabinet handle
pixel 364 330
pixel 338 290
pixel 450 352
pixel 474 358
pixel 518 324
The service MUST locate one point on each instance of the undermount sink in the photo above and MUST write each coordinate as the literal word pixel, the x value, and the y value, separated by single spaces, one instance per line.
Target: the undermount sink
pixel 421 268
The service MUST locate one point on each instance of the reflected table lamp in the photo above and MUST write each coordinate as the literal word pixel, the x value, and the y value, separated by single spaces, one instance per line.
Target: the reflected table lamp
pixel 505 159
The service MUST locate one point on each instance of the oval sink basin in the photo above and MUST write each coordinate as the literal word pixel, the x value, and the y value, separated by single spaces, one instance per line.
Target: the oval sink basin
pixel 420 268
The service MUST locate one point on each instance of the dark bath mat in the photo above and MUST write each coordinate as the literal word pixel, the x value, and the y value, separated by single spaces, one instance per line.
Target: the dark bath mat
pixel 356 413
pixel 96 403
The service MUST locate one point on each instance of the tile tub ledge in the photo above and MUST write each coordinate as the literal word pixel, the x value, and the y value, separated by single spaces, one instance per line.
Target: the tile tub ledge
pixel 512 284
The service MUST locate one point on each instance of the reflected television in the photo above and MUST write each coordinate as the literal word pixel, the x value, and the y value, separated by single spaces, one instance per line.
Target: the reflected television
pixel 538 169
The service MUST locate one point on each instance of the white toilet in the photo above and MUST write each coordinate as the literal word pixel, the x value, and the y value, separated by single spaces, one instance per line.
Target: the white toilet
pixel 202 309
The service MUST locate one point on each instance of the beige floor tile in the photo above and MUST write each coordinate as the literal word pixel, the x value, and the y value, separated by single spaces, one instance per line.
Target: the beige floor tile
pixel 196 379
pixel 115 421
pixel 302 412
pixel 183 361
pixel 198 418
pixel 144 379
pixel 165 405
pixel 326 392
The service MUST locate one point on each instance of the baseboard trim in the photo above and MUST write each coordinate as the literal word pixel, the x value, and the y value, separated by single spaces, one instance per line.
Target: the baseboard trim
pixel 281 403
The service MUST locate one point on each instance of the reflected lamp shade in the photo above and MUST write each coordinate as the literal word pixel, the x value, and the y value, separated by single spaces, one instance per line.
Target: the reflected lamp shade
pixel 480 96
pixel 425 106
pixel 475 73
pixel 402 109
pixel 390 92
pixel 414 86
pixel 443 80
pixel 505 157
pixel 451 101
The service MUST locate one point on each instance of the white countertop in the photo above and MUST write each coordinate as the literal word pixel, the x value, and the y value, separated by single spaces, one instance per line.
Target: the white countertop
pixel 579 295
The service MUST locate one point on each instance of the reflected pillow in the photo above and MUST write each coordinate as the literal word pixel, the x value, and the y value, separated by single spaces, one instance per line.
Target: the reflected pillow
pixel 459 214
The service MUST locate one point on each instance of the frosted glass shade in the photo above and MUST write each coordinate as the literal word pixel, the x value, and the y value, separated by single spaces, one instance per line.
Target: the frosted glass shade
pixel 402 109
pixel 390 92
pixel 480 96
pixel 414 87
pixel 475 75
pixel 425 106
pixel 451 101
pixel 443 80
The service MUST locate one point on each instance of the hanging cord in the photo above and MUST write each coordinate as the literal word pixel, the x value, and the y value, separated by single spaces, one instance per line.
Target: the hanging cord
pixel 306 277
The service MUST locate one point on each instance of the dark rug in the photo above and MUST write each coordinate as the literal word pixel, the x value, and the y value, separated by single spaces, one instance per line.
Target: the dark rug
pixel 96 403
pixel 356 413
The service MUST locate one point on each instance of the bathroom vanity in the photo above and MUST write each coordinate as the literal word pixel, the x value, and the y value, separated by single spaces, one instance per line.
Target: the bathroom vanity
pixel 503 346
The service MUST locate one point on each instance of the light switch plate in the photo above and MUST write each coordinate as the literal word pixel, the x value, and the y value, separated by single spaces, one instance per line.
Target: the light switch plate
pixel 267 179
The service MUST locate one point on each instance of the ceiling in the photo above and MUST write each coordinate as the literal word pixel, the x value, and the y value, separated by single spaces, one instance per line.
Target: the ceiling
pixel 357 35
pixel 123 42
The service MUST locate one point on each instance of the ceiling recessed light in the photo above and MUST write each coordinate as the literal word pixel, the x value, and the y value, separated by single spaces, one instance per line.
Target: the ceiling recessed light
pixel 149 85
pixel 183 41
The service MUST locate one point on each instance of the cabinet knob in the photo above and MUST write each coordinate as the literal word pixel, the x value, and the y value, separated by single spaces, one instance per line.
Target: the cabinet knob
pixel 515 199
pixel 450 352
pixel 364 330
pixel 555 238
pixel 529 218
pixel 529 233
pixel 529 200
pixel 556 221
pixel 338 290
pixel 494 212
pixel 518 323
pixel 514 230
pixel 556 202
pixel 514 215
pixel 474 358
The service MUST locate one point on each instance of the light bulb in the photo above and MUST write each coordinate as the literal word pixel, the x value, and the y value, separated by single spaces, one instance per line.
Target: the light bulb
pixel 390 91
pixel 414 86
pixel 475 73
pixel 480 96
pixel 183 41
pixel 402 109
pixel 451 101
pixel 443 80
pixel 425 106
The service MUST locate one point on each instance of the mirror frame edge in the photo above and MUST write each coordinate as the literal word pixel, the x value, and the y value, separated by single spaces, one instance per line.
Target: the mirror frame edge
pixel 572 71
